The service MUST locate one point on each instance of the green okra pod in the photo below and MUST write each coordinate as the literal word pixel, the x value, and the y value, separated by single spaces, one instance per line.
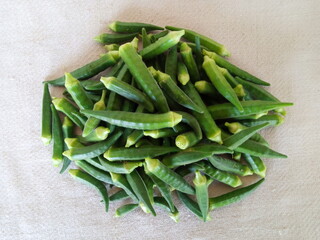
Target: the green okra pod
pixel 126 90
pixel 221 176
pixel 92 122
pixel 234 69
pixel 109 38
pixel 272 119
pixel 112 47
pixel 234 196
pixel 237 139
pixel 77 92
pixel 58 145
pixel 186 140
pixel 140 190
pixel 187 56
pixel 143 142
pixel 166 132
pixel 91 181
pixel 204 87
pixel 132 27
pixel 142 75
pixel 120 195
pixel 198 53
pixel 168 176
pixel 237 87
pixel 67 130
pixel 91 69
pixel 131 154
pixel 205 41
pixel 145 39
pixel 75 143
pixel 256 164
pixel 194 154
pixel 46 126
pixel 257 92
pixel 161 45
pixel 256 149
pixel 134 137
pixel 163 188
pixel 220 83
pixel 236 127
pixel 182 72
pixel 228 165
pixel 227 110
pixel 149 184
pixel 97 85
pixel 125 209
pixel 142 121
pixel 172 89
pixel 158 35
pixel 62 105
pixel 95 172
pixel 161 202
pixel 201 186
pixel 121 181
pixel 97 135
pixel 171 63
pixel 93 150
pixel 191 205
pixel 205 120
pixel 123 167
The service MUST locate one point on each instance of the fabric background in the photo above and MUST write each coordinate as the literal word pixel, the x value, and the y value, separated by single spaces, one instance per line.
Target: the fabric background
pixel 275 40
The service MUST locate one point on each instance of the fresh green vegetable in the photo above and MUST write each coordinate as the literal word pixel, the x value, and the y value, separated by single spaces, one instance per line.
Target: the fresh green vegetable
pixel 92 122
pixel 130 154
pixel 58 146
pixel 132 27
pixel 157 118
pixel 142 75
pixel 143 121
pixel 91 69
pixel 91 181
pixel 46 134
pixel 127 91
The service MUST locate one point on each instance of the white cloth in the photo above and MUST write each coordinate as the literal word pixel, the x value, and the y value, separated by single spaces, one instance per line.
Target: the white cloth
pixel 275 40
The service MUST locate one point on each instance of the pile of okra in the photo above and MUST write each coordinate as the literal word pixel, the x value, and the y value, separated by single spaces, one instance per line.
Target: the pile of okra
pixel 167 107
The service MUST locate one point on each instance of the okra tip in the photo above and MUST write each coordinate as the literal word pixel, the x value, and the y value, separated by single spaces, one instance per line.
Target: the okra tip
pixel 56 102
pixel 112 26
pixel 74 172
pixel 46 139
pixel 216 137
pixel 70 80
pixel 67 154
pixel 233 127
pixel 280 120
pixel 199 179
pixel 98 38
pixel 70 142
pixel 239 90
pixel 182 141
pixel 207 60
pixel 107 81
pixel 224 52
pixel 175 216
pixel 184 47
pixel 114 54
pixel 151 164
pixel 237 183
pixel 175 118
pixel 247 171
